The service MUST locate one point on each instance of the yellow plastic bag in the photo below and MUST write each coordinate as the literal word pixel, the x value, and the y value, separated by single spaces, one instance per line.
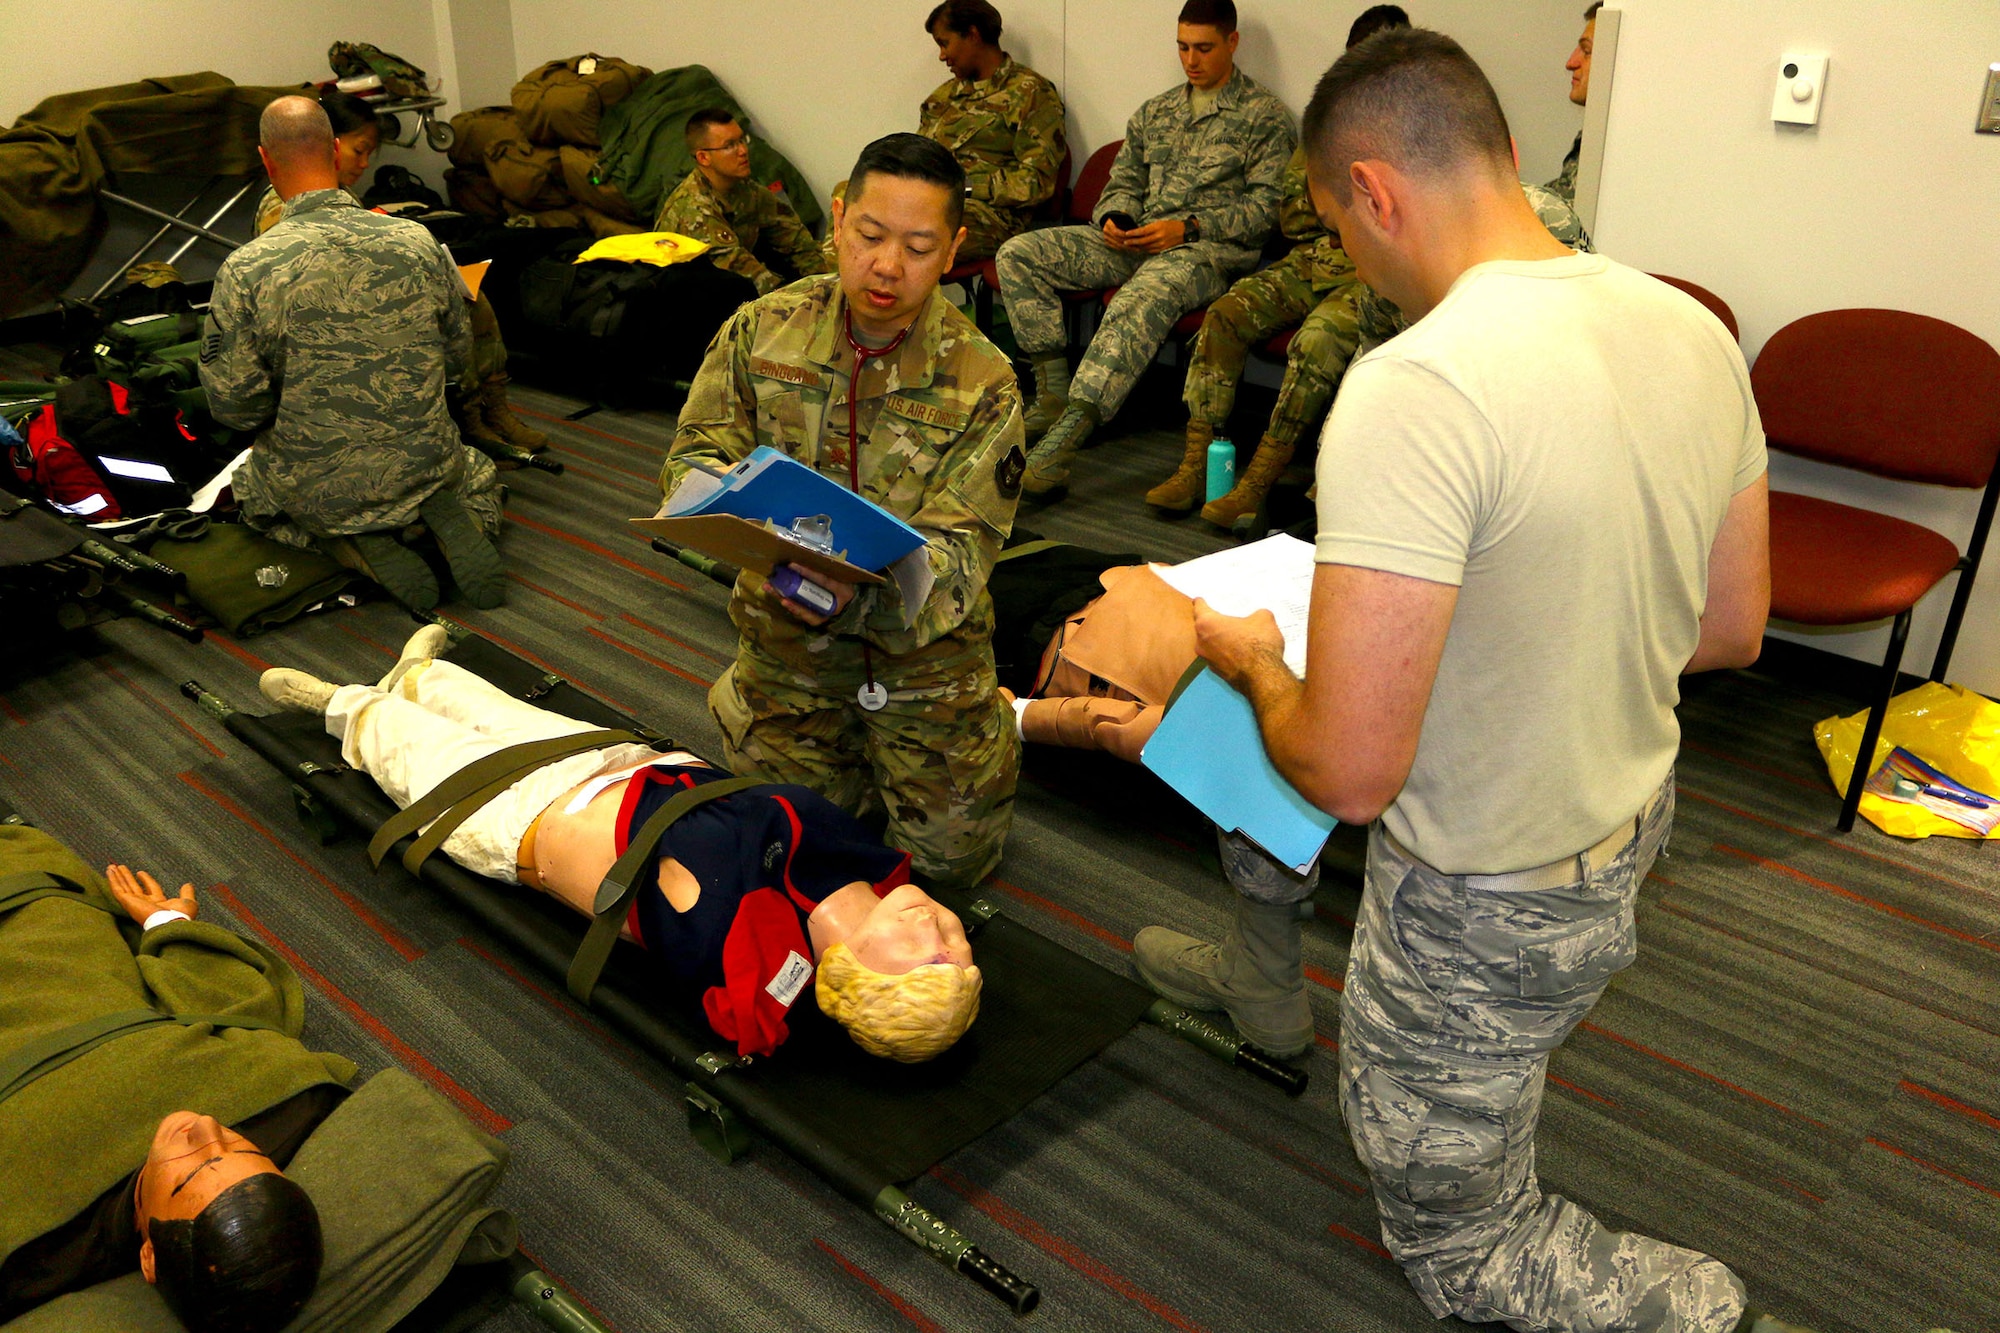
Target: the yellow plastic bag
pixel 1947 726
pixel 646 247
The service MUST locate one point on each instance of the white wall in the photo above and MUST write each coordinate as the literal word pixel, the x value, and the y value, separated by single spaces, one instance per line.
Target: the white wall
pixel 61 47
pixel 1890 201
pixel 822 80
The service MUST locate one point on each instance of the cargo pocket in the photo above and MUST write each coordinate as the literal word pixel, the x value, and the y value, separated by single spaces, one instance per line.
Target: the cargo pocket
pixel 732 715
pixel 1458 1160
pixel 1582 960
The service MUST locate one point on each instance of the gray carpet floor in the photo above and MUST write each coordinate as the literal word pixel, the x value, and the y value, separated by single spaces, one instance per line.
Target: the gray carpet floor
pixel 1798 1075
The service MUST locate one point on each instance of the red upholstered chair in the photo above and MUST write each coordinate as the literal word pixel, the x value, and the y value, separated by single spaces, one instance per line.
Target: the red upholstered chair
pixel 974 273
pixel 1716 305
pixel 1900 396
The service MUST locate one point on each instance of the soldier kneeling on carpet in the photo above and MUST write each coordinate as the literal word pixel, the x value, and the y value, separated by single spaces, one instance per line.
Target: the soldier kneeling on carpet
pixel 756 889
pixel 334 337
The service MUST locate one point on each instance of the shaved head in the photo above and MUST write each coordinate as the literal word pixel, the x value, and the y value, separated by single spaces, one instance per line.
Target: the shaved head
pixel 294 131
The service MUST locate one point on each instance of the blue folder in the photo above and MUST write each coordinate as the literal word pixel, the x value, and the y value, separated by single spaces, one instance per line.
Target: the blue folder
pixel 1209 750
pixel 864 533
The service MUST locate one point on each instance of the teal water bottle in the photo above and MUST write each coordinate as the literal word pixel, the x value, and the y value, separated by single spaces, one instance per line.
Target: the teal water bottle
pixel 1221 468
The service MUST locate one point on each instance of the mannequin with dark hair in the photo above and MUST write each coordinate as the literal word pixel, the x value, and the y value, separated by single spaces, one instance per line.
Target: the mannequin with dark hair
pixel 246 1262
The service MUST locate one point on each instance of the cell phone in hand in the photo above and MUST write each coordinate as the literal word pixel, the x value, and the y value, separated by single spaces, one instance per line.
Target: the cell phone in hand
pixel 796 587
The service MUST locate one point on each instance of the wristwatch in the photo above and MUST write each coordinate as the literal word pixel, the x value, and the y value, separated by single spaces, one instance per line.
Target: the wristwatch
pixel 1193 232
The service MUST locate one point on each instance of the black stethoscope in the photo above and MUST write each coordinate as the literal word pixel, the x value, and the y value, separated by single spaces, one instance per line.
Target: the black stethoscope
pixel 872 696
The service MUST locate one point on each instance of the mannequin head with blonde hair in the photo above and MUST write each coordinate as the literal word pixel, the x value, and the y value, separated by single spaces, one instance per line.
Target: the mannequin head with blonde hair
pixel 895 971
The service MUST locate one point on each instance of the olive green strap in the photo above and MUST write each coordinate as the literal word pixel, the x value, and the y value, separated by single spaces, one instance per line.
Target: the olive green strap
pixel 615 891
pixel 52 1052
pixel 19 890
pixel 1035 547
pixel 485 779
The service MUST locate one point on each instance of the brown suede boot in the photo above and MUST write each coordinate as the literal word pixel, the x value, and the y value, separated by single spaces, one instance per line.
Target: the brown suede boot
pixel 500 418
pixel 470 414
pixel 1182 491
pixel 1240 506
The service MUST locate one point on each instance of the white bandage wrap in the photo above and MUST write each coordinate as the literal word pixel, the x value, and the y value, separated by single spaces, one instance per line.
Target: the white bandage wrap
pixel 164 915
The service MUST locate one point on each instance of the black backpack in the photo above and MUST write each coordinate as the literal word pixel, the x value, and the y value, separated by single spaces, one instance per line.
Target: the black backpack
pixel 623 332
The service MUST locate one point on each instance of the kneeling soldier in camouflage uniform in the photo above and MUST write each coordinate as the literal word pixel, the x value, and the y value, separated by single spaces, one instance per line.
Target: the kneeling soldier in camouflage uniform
pixel 750 228
pixel 479 398
pixel 874 379
pixel 1192 195
pixel 1313 290
pixel 334 336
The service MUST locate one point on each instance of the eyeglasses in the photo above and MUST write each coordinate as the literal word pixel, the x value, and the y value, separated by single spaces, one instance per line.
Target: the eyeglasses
pixel 740 141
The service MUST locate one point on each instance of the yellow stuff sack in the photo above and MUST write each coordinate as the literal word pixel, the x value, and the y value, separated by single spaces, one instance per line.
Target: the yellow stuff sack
pixel 646 247
pixel 1947 726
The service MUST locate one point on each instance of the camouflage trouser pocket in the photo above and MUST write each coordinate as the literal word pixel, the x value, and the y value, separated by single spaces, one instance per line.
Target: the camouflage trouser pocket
pixel 1432 1145
pixel 732 715
pixel 1458 1160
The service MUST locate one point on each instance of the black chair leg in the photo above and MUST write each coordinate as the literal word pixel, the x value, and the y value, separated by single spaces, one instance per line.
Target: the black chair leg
pixel 982 307
pixel 1871 732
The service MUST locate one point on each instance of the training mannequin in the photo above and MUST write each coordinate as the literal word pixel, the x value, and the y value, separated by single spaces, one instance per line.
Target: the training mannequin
pixel 207 1217
pixel 755 892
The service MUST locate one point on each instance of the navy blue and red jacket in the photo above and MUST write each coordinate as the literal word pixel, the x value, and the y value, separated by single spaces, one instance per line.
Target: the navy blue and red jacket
pixel 764 857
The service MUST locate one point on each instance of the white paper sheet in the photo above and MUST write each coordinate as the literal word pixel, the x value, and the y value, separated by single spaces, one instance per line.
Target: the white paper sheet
pixel 1274 575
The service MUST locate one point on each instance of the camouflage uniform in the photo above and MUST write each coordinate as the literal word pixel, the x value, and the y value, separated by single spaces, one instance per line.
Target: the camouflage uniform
pixel 1313 289
pixel 334 337
pixel 1564 185
pixel 739 224
pixel 1007 132
pixel 941 449
pixel 489 350
pixel 1224 166
pixel 1457 992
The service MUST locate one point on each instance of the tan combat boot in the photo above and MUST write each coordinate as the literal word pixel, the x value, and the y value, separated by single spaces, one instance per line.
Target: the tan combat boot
pixel 1180 492
pixel 1256 975
pixel 470 414
pixel 500 418
pixel 1246 497
pixel 1048 461
pixel 1051 394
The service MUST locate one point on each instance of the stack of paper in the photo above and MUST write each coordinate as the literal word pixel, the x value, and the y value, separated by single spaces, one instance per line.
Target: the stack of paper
pixel 1275 575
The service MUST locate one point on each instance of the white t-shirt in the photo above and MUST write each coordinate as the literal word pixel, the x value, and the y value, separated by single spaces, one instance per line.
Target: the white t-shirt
pixel 1560 439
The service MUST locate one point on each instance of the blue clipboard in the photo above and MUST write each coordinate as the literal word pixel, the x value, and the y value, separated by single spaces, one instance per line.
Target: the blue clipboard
pixel 769 485
pixel 1209 750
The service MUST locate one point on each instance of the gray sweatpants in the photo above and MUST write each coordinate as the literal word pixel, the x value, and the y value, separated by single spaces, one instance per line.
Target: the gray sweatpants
pixel 1456 995
pixel 1153 292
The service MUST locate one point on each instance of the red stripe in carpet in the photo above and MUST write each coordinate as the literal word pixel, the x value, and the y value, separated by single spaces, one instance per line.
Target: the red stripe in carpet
pixel 171 714
pixel 648 658
pixel 917 1318
pixel 596 1313
pixel 395 939
pixel 241 654
pixel 1950 1104
pixel 1685 1067
pixel 1049 1243
pixel 1934 1167
pixel 1372 1246
pixel 1826 886
pixel 584 543
pixel 558 598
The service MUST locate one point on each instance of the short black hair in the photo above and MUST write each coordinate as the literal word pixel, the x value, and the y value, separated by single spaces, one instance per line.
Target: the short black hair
pixel 912 157
pixel 1591 14
pixel 698 123
pixel 1373 20
pixel 347 113
pixel 246 1263
pixel 962 16
pixel 1217 14
pixel 1408 96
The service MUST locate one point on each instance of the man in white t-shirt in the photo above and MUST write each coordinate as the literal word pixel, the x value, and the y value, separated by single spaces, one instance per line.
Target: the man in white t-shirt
pixel 1537 508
